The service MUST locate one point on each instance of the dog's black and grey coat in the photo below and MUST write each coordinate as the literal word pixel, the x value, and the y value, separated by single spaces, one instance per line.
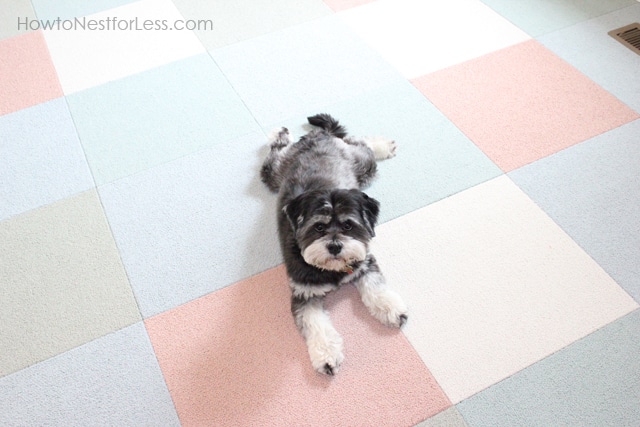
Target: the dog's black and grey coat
pixel 325 224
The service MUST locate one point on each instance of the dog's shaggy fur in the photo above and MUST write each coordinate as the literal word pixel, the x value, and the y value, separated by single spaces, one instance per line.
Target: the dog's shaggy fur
pixel 325 224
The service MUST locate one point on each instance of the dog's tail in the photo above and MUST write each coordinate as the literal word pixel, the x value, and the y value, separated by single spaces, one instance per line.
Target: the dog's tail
pixel 328 123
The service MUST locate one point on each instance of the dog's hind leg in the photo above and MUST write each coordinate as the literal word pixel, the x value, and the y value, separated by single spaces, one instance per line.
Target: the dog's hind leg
pixel 382 148
pixel 279 140
pixel 323 341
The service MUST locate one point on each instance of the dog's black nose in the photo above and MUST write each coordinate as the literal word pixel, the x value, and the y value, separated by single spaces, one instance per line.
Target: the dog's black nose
pixel 334 248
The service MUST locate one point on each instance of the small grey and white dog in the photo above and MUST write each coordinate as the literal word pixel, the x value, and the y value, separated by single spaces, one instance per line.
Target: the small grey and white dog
pixel 325 224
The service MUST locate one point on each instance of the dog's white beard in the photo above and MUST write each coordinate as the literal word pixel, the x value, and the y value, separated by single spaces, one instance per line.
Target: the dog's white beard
pixel 317 254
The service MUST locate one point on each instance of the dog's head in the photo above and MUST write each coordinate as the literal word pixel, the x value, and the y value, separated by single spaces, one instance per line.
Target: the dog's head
pixel 333 227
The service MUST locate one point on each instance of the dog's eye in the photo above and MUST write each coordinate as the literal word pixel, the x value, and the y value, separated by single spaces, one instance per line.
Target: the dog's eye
pixel 347 226
pixel 319 227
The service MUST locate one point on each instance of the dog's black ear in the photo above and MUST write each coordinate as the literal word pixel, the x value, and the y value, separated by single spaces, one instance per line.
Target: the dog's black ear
pixel 294 210
pixel 290 210
pixel 370 211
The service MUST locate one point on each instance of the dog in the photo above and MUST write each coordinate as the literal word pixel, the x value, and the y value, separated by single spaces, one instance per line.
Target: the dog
pixel 325 225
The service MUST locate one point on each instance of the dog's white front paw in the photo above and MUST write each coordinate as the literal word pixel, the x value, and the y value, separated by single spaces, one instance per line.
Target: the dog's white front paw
pixel 382 148
pixel 388 307
pixel 280 138
pixel 325 351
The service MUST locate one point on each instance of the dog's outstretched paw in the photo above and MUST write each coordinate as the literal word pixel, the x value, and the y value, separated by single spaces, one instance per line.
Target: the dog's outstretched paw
pixel 280 138
pixel 395 320
pixel 330 369
pixel 392 147
pixel 382 148
pixel 326 354
pixel 329 364
pixel 402 319
pixel 389 309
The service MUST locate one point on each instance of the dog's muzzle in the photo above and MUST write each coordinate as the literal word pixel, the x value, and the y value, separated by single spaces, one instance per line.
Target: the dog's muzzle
pixel 335 255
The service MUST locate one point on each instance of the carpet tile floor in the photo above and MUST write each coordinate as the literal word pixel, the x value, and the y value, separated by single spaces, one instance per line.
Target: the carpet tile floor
pixel 141 281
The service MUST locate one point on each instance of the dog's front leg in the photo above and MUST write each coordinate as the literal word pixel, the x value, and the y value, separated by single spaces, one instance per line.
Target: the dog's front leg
pixel 383 303
pixel 323 341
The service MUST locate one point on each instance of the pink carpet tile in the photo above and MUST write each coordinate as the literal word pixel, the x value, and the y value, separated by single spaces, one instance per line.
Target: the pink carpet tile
pixel 523 103
pixel 235 358
pixel 20 86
